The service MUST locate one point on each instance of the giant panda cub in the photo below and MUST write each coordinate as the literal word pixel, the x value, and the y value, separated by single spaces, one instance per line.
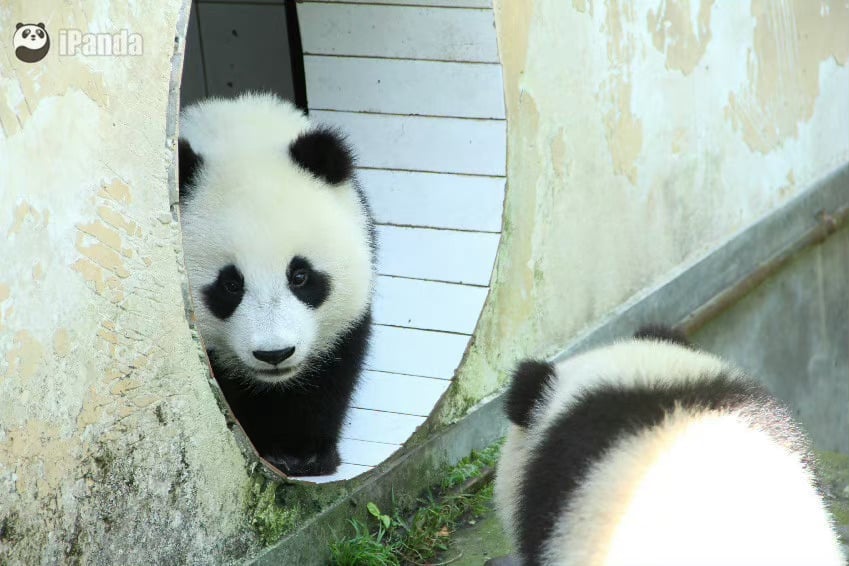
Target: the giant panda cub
pixel 279 249
pixel 649 452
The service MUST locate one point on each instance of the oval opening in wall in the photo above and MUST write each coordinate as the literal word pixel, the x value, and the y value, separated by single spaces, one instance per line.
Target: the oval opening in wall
pixel 417 89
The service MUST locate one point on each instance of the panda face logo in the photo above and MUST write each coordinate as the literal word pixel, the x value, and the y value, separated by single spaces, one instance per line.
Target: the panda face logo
pixel 31 42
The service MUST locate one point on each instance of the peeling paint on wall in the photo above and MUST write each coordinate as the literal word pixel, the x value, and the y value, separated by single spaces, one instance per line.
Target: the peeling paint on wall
pixel 624 130
pixel 792 39
pixel 106 412
pixel 679 33
pixel 623 167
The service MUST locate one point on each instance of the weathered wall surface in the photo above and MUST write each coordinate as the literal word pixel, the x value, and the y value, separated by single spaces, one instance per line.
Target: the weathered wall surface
pixel 793 331
pixel 640 136
pixel 112 446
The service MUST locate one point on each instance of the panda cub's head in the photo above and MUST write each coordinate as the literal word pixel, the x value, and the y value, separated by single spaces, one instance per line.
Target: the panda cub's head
pixel 277 237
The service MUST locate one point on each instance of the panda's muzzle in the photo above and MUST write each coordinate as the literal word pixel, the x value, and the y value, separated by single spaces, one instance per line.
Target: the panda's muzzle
pixel 274 357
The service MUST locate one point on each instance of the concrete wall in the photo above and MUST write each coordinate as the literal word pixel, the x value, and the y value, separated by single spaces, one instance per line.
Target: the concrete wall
pixel 112 446
pixel 641 135
pixel 793 332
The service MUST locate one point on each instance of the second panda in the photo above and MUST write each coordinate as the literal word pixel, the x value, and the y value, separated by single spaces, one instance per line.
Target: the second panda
pixel 279 248
pixel 649 452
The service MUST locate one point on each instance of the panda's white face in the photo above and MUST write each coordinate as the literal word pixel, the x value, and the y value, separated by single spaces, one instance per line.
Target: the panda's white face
pixel 30 36
pixel 279 262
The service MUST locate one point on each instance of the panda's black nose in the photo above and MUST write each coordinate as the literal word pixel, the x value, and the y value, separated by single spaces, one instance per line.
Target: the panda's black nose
pixel 274 357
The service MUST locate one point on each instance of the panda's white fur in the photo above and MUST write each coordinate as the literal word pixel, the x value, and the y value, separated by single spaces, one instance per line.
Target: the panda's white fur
pixel 266 197
pixel 256 209
pixel 703 485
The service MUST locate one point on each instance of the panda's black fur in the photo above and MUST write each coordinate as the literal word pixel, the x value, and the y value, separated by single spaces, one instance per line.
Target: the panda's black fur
pixel 563 436
pixel 294 423
pixel 315 409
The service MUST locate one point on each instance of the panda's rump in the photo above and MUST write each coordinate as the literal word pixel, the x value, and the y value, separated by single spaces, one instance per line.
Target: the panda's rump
pixel 699 488
pixel 628 468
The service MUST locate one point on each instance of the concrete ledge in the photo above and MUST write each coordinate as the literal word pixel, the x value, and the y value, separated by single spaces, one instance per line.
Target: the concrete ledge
pixel 674 302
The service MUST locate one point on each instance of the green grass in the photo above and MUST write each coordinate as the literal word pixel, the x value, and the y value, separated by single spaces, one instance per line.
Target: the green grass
pixel 416 532
pixel 364 548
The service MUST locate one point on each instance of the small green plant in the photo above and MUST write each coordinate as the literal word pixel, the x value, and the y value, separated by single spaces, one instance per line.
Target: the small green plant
pixel 420 536
pixel 471 466
pixel 384 520
pixel 363 548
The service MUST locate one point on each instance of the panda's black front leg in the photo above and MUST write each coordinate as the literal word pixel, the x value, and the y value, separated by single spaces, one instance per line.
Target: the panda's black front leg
pixel 313 464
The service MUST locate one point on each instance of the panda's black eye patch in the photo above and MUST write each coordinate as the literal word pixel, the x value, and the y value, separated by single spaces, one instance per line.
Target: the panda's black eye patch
pixel 310 286
pixel 224 294
pixel 25 33
pixel 40 33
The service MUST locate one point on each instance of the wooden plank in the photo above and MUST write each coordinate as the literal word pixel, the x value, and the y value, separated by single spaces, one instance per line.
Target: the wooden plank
pixel 399 393
pixel 428 305
pixel 391 86
pixel 434 199
pixel 365 453
pixel 344 472
pixel 415 352
pixel 377 426
pixel 441 255
pixel 237 42
pixel 446 3
pixel 442 145
pixel 443 34
pixel 241 1
pixel 193 84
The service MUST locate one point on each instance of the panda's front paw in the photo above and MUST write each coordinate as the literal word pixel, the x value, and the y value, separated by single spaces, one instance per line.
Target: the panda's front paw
pixel 318 464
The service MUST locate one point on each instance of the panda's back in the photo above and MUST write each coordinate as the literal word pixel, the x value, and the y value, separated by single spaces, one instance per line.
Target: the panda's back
pixel 700 466
pixel 697 487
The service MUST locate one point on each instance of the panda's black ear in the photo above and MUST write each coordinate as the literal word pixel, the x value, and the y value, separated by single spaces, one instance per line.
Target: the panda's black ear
pixel 41 25
pixel 526 390
pixel 324 153
pixel 20 25
pixel 663 333
pixel 189 165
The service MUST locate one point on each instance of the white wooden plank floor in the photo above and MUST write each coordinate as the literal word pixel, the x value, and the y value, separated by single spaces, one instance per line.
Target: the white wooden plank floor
pixel 436 200
pixel 397 86
pixel 417 88
pixel 427 305
pixel 409 394
pixel 437 255
pixel 423 143
pixel 404 32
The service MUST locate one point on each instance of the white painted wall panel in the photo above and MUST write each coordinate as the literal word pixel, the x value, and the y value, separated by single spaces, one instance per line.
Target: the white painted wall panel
pixel 433 88
pixel 443 34
pixel 446 3
pixel 365 453
pixel 444 145
pixel 377 426
pixel 415 352
pixel 428 304
pixel 343 472
pixel 417 87
pixel 408 394
pixel 411 198
pixel 446 255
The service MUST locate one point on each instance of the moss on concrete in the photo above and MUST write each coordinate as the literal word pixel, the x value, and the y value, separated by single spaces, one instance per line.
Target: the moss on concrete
pixel 274 508
pixel 267 518
pixel 476 541
pixel 834 473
